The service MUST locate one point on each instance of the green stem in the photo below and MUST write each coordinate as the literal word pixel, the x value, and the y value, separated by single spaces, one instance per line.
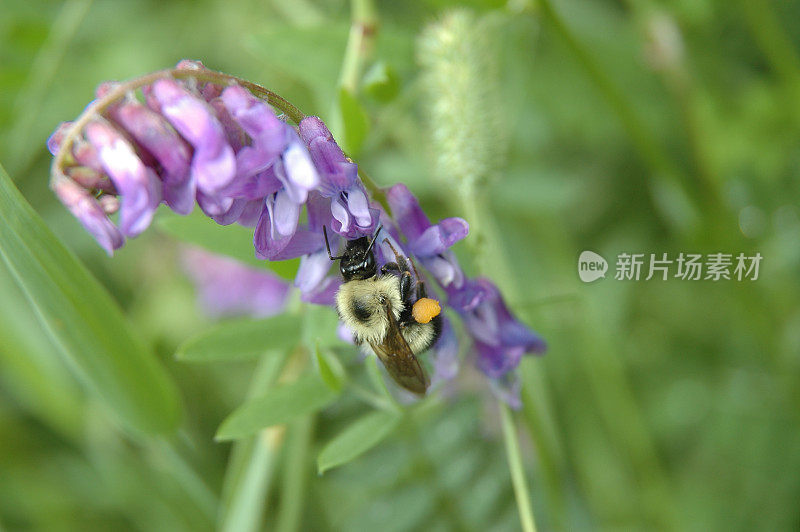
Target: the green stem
pixel 488 253
pixel 521 491
pixel 359 43
pixel 252 462
pixel 295 474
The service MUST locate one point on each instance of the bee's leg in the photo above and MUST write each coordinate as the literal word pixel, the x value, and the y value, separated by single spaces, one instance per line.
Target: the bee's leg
pixel 421 292
pixel 390 267
pixel 405 286
pixel 401 260
pixel 406 317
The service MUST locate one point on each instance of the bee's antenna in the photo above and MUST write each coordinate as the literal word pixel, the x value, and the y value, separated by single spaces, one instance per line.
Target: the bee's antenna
pixel 372 243
pixel 328 246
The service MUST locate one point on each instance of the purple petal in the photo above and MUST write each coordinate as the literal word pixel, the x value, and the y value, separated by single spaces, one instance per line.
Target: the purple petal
pixel 56 139
pixel 341 215
pixel 213 165
pixel 181 197
pixel 467 297
pixel 325 293
pixel 138 186
pixel 299 171
pixel 251 213
pixel 446 272
pixel 319 212
pixel 255 175
pixel 507 389
pixel 336 173
pixel 445 361
pixel 285 214
pixel 312 127
pixel 496 360
pixel 406 210
pixel 213 205
pixel 156 136
pixel 302 243
pixel 88 211
pixel 313 269
pixel 268 241
pixel 358 206
pixel 232 214
pixel 453 230
pixel 234 134
pixel 256 118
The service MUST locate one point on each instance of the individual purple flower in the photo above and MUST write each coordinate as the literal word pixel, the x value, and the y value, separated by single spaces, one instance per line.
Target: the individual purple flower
pixel 228 287
pixel 90 213
pixel 214 163
pixel 173 155
pixel 500 339
pixel 428 242
pixel 137 184
pixel 353 217
pixel 276 167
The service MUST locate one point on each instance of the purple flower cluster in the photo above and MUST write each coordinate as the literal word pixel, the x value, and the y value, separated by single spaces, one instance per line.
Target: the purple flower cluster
pixel 181 141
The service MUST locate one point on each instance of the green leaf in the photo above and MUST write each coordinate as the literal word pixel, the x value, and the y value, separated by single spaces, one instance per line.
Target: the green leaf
pixel 381 82
pixel 242 339
pixel 330 369
pixel 84 321
pixel 232 240
pixel 354 120
pixel 278 406
pixel 378 382
pixel 357 439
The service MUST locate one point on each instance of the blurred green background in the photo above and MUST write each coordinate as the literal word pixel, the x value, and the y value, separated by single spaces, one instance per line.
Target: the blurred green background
pixel 615 126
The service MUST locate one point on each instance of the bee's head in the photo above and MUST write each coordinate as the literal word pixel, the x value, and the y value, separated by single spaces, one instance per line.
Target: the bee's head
pixel 358 259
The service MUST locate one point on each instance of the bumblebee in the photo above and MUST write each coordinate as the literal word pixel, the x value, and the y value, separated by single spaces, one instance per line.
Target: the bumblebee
pixel 389 310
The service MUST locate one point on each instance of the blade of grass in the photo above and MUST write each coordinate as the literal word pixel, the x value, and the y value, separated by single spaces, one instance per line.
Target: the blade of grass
pixel 83 320
pixel 295 474
pixel 517 469
pixel 20 146
pixel 252 462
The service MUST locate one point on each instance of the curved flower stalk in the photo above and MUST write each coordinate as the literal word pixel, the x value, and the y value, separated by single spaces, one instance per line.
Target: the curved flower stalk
pixel 191 136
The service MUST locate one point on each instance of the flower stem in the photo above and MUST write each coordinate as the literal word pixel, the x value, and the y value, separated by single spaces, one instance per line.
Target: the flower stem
pixel 515 465
pixel 359 43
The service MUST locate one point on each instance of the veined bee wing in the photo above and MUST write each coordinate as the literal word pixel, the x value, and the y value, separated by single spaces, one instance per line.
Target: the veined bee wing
pixel 399 360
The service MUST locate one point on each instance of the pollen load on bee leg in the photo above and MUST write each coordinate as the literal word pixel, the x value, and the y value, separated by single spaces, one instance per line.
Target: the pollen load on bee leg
pixel 425 309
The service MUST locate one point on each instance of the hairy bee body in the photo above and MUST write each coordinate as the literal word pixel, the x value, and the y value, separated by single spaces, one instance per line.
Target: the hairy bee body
pixel 361 306
pixel 377 306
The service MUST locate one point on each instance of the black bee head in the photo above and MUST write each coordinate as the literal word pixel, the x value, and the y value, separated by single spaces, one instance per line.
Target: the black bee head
pixel 358 260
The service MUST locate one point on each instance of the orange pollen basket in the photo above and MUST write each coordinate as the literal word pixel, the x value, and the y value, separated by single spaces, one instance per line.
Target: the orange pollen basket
pixel 425 309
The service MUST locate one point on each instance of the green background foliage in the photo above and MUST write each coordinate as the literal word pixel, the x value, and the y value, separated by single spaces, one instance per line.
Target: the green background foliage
pixel 659 404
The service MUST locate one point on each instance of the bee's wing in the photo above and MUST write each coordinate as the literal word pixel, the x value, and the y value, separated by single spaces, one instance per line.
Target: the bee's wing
pixel 399 360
